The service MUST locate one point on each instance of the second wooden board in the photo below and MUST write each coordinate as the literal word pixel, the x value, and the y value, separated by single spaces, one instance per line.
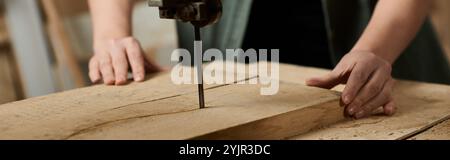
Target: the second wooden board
pixel 438 132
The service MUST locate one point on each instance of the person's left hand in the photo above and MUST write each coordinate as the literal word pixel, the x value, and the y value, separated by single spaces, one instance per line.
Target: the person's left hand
pixel 368 80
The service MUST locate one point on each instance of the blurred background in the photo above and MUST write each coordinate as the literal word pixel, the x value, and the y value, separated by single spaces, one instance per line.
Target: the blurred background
pixel 45 45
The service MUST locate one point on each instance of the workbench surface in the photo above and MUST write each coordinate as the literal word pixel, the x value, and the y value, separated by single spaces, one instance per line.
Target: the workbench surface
pixel 424 111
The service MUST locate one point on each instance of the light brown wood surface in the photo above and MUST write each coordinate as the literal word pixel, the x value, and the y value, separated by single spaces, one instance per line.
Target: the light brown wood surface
pixel 236 112
pixel 233 112
pixel 158 109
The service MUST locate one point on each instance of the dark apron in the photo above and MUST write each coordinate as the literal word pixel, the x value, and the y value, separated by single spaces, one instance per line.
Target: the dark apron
pixel 423 60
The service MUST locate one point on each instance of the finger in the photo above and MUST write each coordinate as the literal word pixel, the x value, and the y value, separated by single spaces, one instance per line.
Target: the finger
pixel 94 71
pixel 372 88
pixel 383 98
pixel 332 79
pixel 390 108
pixel 328 81
pixel 358 77
pixel 119 62
pixel 106 69
pixel 378 111
pixel 136 58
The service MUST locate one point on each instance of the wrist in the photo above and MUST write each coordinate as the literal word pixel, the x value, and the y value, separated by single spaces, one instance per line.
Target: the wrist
pixel 102 41
pixel 113 32
pixel 110 36
pixel 381 54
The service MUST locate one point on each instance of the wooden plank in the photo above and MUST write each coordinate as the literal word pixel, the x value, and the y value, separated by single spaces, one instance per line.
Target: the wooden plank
pixel 421 106
pixel 157 109
pixel 438 132
pixel 96 99
pixel 234 112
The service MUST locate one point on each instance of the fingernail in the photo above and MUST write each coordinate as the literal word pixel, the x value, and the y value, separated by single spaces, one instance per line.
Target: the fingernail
pixel 360 114
pixel 120 81
pixel 138 78
pixel 111 82
pixel 351 111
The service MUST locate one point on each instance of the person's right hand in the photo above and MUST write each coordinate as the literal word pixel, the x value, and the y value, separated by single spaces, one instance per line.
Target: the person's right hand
pixel 113 59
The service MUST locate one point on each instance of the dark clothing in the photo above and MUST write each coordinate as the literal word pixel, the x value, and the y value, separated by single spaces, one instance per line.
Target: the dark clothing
pixel 296 28
pixel 345 21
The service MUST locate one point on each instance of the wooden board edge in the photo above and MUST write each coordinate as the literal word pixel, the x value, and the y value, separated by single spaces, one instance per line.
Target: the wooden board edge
pixel 284 125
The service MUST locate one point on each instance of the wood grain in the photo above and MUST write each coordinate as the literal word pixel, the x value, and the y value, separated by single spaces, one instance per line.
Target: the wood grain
pixel 144 110
pixel 157 109
pixel 234 112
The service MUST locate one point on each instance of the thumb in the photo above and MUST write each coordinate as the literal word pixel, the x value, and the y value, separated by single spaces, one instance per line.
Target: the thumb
pixel 327 81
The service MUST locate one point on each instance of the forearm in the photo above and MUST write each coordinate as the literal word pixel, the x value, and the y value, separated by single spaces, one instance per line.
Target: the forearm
pixel 111 19
pixel 392 27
